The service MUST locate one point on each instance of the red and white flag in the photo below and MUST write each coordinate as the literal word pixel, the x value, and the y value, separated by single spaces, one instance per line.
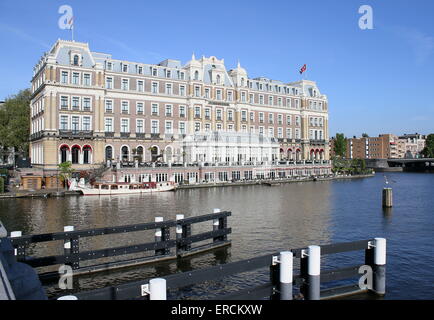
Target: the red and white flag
pixel 303 69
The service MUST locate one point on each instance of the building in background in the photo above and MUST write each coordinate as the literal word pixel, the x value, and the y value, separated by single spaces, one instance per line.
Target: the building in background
pixel 385 146
pixel 90 109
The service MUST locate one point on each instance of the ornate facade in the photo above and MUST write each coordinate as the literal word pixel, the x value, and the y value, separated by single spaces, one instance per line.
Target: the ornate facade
pixel 88 107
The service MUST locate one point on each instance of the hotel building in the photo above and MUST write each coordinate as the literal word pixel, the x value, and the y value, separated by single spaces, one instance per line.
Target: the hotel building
pixel 89 108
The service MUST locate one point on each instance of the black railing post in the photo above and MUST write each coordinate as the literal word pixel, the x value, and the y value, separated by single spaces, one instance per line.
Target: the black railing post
pixel 159 236
pixel 179 233
pixel 71 249
pixel 20 249
pixel 186 233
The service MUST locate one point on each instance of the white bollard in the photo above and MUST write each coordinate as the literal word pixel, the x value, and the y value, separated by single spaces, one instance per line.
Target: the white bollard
pixel 178 226
pixel 314 271
pixel 215 223
pixel 67 243
pixel 379 267
pixel 157 289
pixel 67 298
pixel 380 251
pixel 16 234
pixel 314 261
pixel 286 265
pixel 286 275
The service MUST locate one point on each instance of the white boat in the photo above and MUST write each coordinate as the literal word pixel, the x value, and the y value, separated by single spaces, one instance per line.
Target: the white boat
pixel 113 188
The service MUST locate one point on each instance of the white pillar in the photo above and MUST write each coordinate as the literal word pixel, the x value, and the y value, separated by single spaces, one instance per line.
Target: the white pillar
pixel 157 289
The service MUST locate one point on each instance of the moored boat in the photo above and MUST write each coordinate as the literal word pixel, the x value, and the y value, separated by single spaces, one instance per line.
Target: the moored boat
pixel 115 188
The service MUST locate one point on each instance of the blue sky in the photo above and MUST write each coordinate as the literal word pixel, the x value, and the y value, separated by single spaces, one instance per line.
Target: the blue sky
pixel 377 81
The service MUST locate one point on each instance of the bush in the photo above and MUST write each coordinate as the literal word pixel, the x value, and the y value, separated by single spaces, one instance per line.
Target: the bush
pixel 2 185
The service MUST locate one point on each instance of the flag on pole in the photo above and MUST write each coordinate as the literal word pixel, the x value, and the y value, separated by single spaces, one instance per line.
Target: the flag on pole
pixel 303 69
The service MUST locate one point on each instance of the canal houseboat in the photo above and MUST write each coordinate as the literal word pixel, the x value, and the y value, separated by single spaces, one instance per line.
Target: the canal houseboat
pixel 113 188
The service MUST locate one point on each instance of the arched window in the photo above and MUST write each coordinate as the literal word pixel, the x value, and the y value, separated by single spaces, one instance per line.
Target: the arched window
pixel 196 75
pixel 168 154
pixel 242 82
pixel 125 153
pixel 64 150
pixel 154 153
pixel 140 153
pixel 108 153
pixel 75 152
pixel 75 60
pixel 218 78
pixel 87 152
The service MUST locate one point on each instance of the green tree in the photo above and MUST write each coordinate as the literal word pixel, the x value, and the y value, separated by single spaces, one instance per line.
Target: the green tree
pixel 15 122
pixel 428 151
pixel 365 135
pixel 65 171
pixel 340 147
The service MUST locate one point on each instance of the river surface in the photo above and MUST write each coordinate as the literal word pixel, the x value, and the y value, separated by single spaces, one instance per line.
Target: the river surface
pixel 264 220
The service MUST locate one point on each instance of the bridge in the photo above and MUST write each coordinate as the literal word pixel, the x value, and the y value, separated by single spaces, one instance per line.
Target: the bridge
pixel 416 164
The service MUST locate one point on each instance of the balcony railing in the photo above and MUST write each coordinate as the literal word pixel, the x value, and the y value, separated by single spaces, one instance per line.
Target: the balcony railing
pixel 125 134
pixel 81 134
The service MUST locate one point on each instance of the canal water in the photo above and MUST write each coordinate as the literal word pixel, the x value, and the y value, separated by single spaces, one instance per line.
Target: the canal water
pixel 264 220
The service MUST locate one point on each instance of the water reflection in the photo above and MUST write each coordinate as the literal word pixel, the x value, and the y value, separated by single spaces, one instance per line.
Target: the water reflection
pixel 264 220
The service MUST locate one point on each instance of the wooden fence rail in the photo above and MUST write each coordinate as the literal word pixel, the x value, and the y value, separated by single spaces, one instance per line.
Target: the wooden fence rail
pixel 163 247
pixel 307 280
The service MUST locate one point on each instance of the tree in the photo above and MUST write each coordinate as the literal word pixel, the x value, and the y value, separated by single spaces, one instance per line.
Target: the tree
pixel 65 171
pixel 365 135
pixel 340 147
pixel 15 122
pixel 428 151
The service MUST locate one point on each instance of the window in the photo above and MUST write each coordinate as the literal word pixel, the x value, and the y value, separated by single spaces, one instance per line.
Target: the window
pixel 279 119
pixel 218 79
pixel 207 113
pixel 297 120
pixel 230 98
pixel 279 102
pixel 197 126
pixel 140 70
pixel 109 106
pixel 219 95
pixel 182 90
pixel 75 123
pixel 243 97
pixel 261 117
pixel 168 110
pixel 108 125
pixel 182 111
pixel 288 103
pixel 230 127
pixel 125 84
pixel 76 103
pixel 207 127
pixel 252 98
pixel 86 79
pixel 280 133
pixel 297 133
pixel 261 99
pixel 140 86
pixel 270 118
pixel 197 91
pixel 154 87
pixel 219 126
pixel 271 132
pixel 86 104
pixel 197 112
pixel 63 122
pixel 109 66
pixel 154 72
pixel 207 96
pixel 168 73
pixel 288 120
pixel 196 75
pixel 154 127
pixel 289 133
pixel 109 83
pixel 230 115
pixel 270 100
pixel 75 60
pixel 86 124
pixel 124 67
pixel 219 114
pixel 139 108
pixel 64 78
pixel 168 88
pixel 63 102
pixel 139 126
pixel 75 78
pixel 168 127
pixel 252 116
pixel 125 107
pixel 154 109
pixel 125 125
pixel 181 127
